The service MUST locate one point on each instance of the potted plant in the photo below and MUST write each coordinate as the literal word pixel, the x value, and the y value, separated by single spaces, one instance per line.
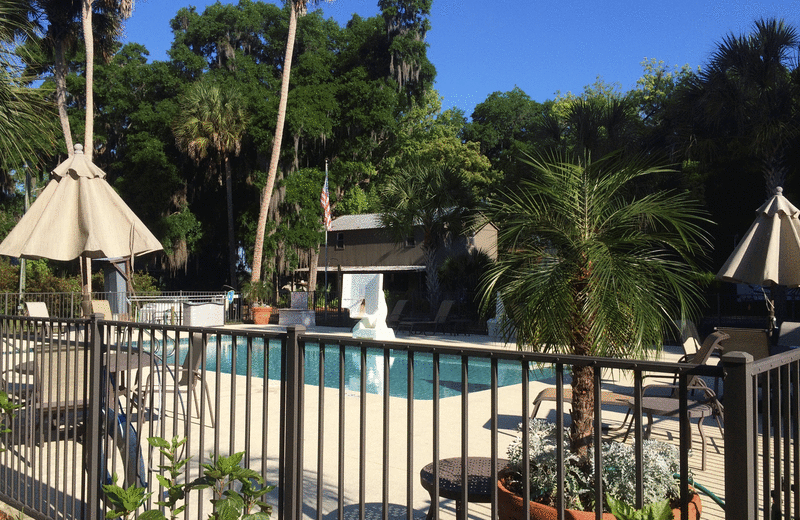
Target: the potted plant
pixel 257 294
pixel 618 473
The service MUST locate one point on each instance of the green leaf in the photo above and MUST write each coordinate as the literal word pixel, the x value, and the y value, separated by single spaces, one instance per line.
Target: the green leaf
pixel 151 514
pixel 158 442
pixel 260 515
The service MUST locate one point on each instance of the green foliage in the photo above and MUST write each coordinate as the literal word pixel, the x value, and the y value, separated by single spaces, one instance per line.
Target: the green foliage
pixel 433 197
pixel 654 511
pixel 661 461
pixel 145 283
pixel 7 407
pixel 223 475
pixel 11 210
pixel 503 125
pixel 657 88
pixel 260 292
pixel 406 25
pixel 229 504
pixel 124 502
pixel 39 277
pixel 461 277
pixel 302 225
pixel 27 115
pixel 591 267
pixel 182 229
pixel 354 202
pixel 585 254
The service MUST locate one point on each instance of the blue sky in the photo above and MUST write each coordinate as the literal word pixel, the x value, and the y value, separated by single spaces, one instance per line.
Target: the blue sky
pixel 541 46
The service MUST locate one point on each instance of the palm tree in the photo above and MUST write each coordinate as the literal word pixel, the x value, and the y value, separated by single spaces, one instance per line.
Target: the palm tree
pixel 62 30
pixel 745 95
pixel 296 8
pixel 61 35
pixel 25 113
pixel 214 118
pixel 589 269
pixel 116 10
pixel 434 197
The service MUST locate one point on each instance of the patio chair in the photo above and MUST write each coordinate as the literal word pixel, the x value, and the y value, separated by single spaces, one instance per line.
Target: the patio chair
pixel 753 341
pixel 393 319
pixel 662 399
pixel 607 398
pixel 39 310
pixel 788 336
pixel 432 326
pixel 690 338
pixel 189 374
pixel 103 307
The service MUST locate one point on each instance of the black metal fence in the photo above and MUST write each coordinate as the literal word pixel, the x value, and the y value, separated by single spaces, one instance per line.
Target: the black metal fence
pixel 341 426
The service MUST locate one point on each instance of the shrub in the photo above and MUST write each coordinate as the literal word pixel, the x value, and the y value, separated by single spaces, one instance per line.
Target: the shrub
pixel 619 466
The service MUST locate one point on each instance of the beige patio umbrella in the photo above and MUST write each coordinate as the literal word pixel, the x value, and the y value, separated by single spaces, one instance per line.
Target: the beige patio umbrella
pixel 769 253
pixel 79 215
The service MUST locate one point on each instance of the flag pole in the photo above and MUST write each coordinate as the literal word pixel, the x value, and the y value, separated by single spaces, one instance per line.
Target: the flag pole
pixel 326 243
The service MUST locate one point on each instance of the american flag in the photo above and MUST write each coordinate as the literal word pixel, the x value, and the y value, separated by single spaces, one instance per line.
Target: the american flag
pixel 325 200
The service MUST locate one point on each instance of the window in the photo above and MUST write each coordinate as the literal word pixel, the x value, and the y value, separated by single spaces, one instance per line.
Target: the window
pixel 339 240
pixel 410 242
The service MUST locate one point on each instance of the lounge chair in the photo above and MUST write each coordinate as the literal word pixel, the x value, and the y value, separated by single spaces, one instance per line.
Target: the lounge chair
pixel 662 399
pixel 432 326
pixel 393 319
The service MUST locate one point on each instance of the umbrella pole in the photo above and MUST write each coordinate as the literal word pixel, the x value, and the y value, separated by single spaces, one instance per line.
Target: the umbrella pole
pixel 86 283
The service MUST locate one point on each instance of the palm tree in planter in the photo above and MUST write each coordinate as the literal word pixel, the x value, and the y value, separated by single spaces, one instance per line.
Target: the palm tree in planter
pixel 258 294
pixel 589 268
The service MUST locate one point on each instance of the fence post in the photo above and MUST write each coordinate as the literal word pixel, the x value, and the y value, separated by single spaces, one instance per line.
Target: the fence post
pixel 290 501
pixel 94 467
pixel 740 442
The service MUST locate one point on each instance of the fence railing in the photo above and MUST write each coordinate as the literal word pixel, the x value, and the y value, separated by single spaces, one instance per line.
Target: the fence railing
pixel 341 426
pixel 170 307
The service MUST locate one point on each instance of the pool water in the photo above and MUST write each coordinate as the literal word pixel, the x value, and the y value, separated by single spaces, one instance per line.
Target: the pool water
pixel 268 362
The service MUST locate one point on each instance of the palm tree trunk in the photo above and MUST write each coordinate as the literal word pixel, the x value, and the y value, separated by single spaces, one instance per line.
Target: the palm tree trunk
pixel 432 277
pixel 582 427
pixel 88 37
pixel 231 238
pixel 60 77
pixel 266 196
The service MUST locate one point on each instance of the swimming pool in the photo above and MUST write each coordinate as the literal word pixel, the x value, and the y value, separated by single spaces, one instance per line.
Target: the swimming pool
pixel 268 361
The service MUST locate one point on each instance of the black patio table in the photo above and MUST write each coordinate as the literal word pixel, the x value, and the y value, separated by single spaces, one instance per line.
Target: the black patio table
pixel 479 481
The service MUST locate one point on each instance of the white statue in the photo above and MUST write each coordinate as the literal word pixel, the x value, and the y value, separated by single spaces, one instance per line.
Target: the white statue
pixel 362 295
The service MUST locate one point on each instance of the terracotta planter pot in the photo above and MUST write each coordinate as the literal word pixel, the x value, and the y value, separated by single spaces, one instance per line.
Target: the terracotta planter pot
pixel 261 315
pixel 509 507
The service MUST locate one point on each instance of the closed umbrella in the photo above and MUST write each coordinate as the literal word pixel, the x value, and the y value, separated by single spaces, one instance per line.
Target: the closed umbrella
pixel 79 215
pixel 769 253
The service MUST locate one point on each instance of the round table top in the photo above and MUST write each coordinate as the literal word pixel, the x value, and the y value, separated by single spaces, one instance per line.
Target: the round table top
pixel 479 478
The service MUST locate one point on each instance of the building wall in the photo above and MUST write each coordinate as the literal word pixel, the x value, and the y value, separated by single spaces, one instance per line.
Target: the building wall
pixel 375 247
pixel 486 240
pixel 370 247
